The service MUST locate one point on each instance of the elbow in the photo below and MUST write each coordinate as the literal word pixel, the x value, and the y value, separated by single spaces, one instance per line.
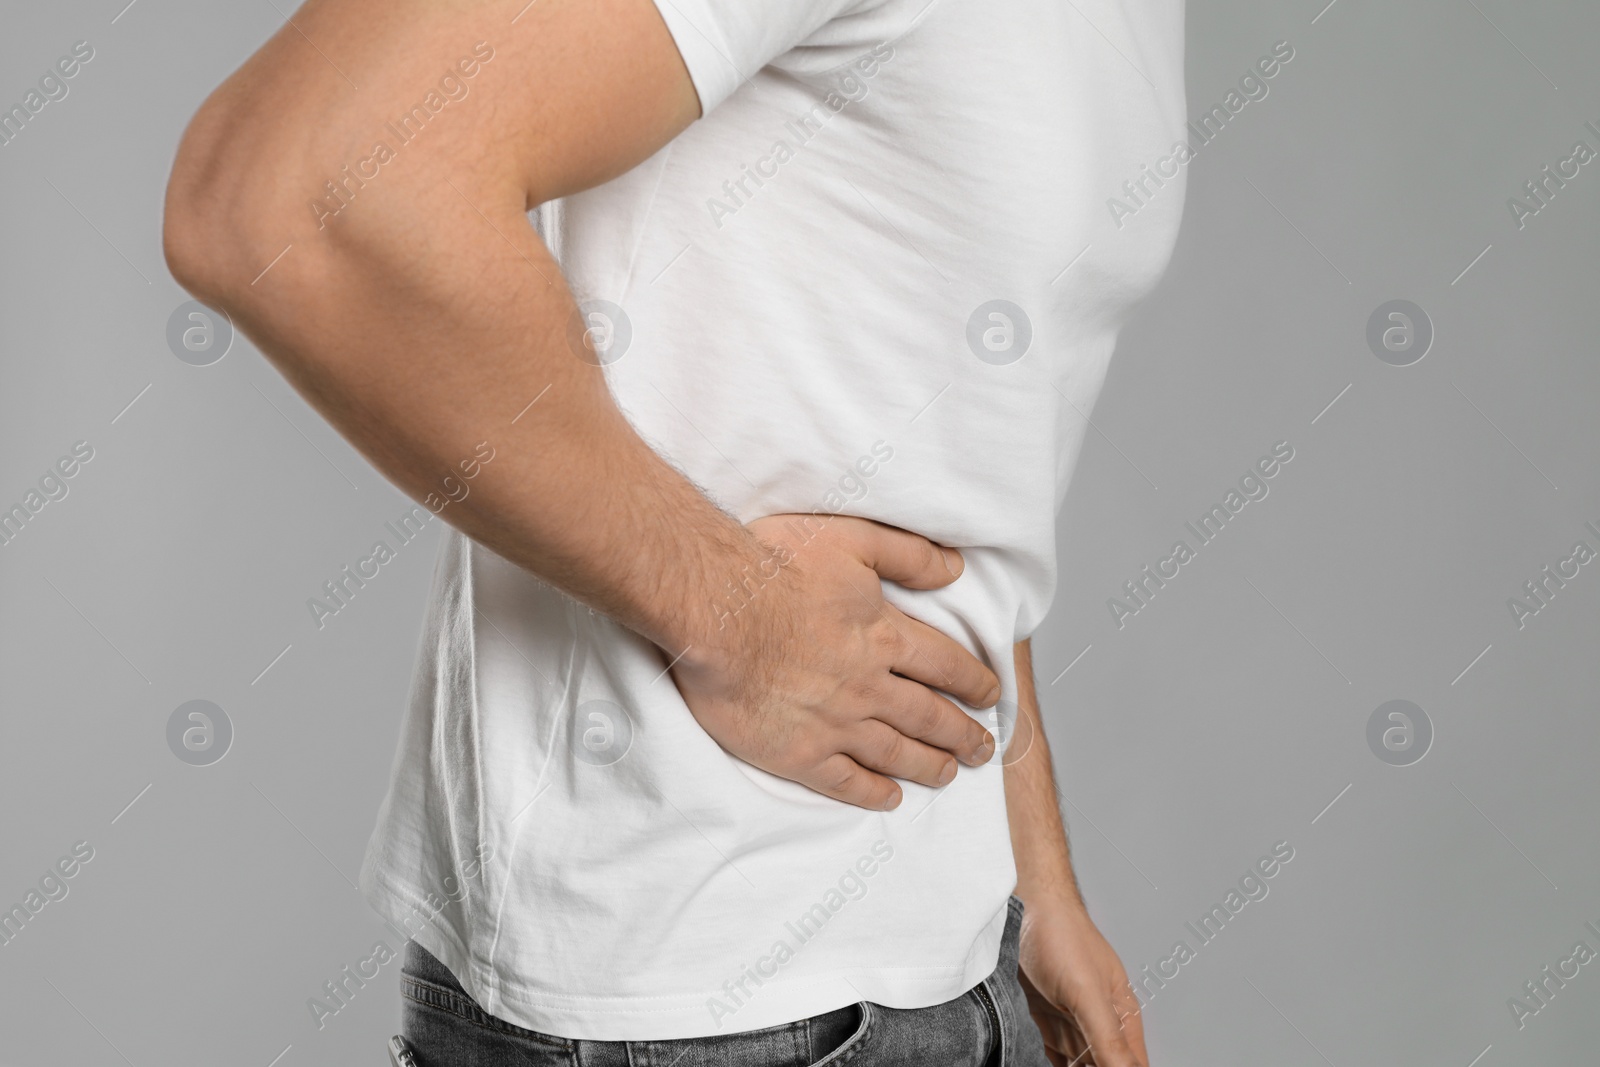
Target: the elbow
pixel 188 241
pixel 228 213
pixel 199 239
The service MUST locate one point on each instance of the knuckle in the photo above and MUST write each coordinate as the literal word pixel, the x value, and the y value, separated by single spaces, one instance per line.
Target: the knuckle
pixel 836 775
pixel 964 666
pixel 945 666
pixel 885 639
pixel 974 732
pixel 927 715
pixel 885 748
pixel 982 684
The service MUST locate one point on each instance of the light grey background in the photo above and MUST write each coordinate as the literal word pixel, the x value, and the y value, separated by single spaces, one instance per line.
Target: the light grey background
pixel 1223 718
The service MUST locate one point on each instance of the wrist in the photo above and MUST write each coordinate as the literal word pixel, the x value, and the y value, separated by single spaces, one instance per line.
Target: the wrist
pixel 1057 892
pixel 712 621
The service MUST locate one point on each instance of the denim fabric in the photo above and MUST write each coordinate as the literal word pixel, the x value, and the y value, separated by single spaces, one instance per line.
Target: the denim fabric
pixel 989 1026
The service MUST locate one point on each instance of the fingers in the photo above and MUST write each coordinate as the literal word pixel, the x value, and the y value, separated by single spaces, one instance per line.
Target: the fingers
pixel 1106 1031
pixel 876 753
pixel 901 556
pixel 842 778
pixel 881 748
pixel 1064 1044
pixel 935 659
pixel 915 711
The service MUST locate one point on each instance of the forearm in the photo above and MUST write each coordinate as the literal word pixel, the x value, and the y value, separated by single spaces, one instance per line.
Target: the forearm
pixel 426 319
pixel 414 376
pixel 1038 836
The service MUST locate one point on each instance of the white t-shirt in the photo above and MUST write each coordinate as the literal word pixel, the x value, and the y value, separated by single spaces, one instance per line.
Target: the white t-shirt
pixel 880 277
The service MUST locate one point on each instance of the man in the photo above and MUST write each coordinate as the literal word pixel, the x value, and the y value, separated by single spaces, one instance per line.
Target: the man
pixel 753 495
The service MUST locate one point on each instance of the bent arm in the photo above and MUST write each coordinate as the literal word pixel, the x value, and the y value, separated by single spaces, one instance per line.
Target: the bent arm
pixel 356 198
pixel 399 286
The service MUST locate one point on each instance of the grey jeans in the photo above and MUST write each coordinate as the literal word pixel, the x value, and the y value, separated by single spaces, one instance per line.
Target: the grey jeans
pixel 989 1026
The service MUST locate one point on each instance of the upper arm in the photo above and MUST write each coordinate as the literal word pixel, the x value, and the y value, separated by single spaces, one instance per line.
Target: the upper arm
pixel 396 101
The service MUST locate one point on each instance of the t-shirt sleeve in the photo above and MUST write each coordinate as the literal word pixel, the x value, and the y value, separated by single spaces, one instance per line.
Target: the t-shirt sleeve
pixel 724 42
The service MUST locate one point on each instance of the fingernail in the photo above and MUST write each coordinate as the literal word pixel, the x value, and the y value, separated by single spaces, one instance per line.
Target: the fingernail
pixel 985 752
pixel 893 801
pixel 952 561
pixel 993 697
pixel 949 773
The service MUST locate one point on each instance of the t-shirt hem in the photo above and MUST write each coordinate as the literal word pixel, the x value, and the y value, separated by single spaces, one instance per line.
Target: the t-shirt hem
pixel 396 903
pixel 730 1010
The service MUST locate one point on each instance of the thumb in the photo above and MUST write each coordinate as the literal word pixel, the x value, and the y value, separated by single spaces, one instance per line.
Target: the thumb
pixel 901 556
